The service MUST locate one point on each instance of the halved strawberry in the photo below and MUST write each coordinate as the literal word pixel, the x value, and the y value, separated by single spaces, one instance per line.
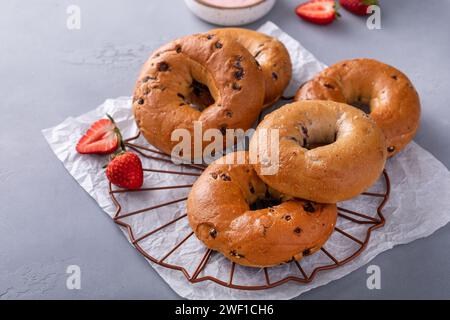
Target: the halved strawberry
pixel 103 137
pixel 358 7
pixel 318 11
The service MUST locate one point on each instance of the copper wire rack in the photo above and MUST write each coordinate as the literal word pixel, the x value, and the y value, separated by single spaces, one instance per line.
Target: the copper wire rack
pixel 372 222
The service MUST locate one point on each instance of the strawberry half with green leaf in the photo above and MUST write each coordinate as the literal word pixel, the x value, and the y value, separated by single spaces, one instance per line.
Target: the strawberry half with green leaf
pixel 318 11
pixel 125 170
pixel 103 137
pixel 358 7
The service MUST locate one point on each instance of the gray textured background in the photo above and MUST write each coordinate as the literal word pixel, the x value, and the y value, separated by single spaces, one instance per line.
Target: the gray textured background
pixel 49 73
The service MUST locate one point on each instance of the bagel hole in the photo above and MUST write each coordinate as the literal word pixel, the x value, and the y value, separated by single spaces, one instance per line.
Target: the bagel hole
pixel 199 96
pixel 263 203
pixel 309 141
pixel 361 104
pixel 269 199
pixel 316 144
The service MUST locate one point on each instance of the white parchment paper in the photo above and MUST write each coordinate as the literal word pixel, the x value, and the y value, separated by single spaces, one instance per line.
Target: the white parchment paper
pixel 420 193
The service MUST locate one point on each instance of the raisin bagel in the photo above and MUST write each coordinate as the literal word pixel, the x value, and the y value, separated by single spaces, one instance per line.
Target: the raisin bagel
pixel 202 77
pixel 270 53
pixel 231 210
pixel 393 101
pixel 328 151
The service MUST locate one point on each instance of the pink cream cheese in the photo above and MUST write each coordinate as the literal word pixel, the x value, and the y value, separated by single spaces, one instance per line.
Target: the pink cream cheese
pixel 230 3
pixel 230 12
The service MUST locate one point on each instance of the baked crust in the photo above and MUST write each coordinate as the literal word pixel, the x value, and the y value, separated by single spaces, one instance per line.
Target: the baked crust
pixel 272 56
pixel 393 100
pixel 328 151
pixel 231 73
pixel 219 212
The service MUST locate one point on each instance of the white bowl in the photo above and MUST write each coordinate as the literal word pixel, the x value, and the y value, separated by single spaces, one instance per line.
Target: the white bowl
pixel 230 13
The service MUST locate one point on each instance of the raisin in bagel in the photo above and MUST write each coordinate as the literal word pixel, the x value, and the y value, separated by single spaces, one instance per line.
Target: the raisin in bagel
pixel 270 53
pixel 393 101
pixel 223 212
pixel 328 151
pixel 205 78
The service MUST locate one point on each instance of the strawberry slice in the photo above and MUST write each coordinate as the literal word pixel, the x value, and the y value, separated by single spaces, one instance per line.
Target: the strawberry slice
pixel 103 137
pixel 318 11
pixel 358 7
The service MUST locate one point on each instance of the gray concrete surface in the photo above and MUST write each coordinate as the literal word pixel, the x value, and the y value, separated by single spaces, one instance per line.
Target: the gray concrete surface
pixel 48 73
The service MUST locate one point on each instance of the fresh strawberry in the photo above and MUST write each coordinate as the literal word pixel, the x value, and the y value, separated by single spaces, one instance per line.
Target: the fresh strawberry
pixel 318 11
pixel 102 137
pixel 125 170
pixel 358 7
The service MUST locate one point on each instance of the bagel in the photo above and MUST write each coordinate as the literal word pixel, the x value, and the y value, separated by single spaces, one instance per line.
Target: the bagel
pixel 203 77
pixel 222 209
pixel 270 53
pixel 328 151
pixel 393 100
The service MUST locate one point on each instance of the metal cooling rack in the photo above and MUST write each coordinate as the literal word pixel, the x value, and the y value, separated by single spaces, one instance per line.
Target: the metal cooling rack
pixel 374 222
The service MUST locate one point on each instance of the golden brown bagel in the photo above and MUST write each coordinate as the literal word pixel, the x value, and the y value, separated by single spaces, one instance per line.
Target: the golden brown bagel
pixel 328 151
pixel 270 53
pixel 220 213
pixel 174 78
pixel 393 101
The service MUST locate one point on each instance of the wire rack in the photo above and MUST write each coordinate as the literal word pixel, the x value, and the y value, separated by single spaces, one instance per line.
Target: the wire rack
pixel 374 221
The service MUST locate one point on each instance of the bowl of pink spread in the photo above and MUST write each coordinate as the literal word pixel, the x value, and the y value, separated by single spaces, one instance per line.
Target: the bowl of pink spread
pixel 230 12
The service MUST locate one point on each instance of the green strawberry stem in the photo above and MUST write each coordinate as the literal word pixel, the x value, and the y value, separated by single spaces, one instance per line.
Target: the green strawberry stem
pixel 119 135
pixel 336 9
pixel 370 2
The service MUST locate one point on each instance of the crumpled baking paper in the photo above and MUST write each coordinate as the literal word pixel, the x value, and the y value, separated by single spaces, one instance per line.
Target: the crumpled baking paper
pixel 420 189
